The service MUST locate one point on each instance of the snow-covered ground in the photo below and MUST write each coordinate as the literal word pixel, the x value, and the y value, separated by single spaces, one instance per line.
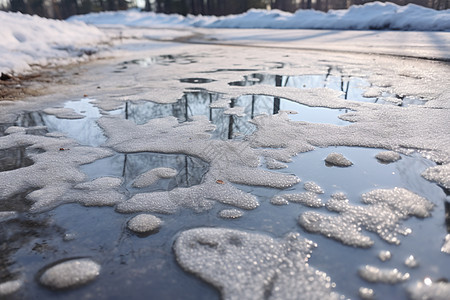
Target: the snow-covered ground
pixel 29 41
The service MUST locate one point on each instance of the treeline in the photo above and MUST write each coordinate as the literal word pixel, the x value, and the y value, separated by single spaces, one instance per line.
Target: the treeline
pixel 62 9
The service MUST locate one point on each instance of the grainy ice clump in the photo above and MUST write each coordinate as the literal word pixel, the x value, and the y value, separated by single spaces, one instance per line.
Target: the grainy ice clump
pixel 144 223
pixel 383 215
pixel 252 266
pixel 311 186
pixel 388 156
pixel 231 213
pixel 9 287
pixel 374 274
pixel 439 174
pixel 429 290
pixel 338 160
pixel 70 273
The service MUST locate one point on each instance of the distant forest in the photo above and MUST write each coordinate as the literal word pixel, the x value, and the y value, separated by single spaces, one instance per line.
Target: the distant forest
pixel 62 9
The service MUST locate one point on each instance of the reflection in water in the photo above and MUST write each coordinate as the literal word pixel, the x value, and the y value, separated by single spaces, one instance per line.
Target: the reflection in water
pixel 190 170
pixel 353 88
pixel 196 80
pixel 164 60
pixel 14 158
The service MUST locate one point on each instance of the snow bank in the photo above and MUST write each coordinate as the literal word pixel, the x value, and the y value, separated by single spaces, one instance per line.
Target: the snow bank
pixel 375 15
pixel 31 40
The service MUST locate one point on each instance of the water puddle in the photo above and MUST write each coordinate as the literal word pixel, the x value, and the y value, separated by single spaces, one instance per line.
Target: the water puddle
pixel 164 60
pixel 353 88
pixel 189 170
pixel 196 80
pixel 14 158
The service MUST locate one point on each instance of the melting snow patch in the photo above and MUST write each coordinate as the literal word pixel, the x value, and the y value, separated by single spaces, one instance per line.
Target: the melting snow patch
pixel 313 187
pixel 388 156
pixel 382 215
pixel 338 160
pixel 446 247
pixel 153 176
pixel 70 273
pixel 10 287
pixel 439 174
pixel 429 290
pixel 230 214
pixel 7 215
pixel 63 113
pixel 279 200
pixel 252 266
pixel 411 262
pixel 144 223
pixel 308 198
pixel 374 274
pixel 384 255
pixel 366 293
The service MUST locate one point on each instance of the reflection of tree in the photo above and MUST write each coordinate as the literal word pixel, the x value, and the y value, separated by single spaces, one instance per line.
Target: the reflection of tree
pixel 14 158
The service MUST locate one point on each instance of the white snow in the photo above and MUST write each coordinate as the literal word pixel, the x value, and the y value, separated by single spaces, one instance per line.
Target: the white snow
pixel 70 273
pixel 375 15
pixel 231 213
pixel 144 223
pixel 9 287
pixel 388 156
pixel 428 290
pixel 30 40
pixel 384 255
pixel 374 274
pixel 338 160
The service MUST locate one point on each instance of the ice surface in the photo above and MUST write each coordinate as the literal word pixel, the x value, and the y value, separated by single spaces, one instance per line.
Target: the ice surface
pixel 10 287
pixel 70 273
pixel 252 266
pixel 153 176
pixel 382 215
pixel 144 223
pixel 231 213
pixel 428 290
pixel 388 156
pixel 439 174
pixel 374 274
pixel 338 160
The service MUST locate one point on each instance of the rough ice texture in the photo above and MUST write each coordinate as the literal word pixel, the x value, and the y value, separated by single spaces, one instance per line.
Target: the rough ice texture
pixel 434 291
pixel 153 176
pixel 439 174
pixel 388 156
pixel 231 213
pixel 446 246
pixel 307 198
pixel 144 223
pixel 383 215
pixel 374 274
pixel 252 266
pixel 10 287
pixel 54 172
pixel 311 186
pixel 70 273
pixel 384 255
pixel 274 164
pixel 279 200
pixel 338 160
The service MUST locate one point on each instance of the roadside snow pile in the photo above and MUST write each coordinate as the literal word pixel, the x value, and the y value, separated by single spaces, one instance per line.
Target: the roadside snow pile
pixel 374 15
pixel 31 40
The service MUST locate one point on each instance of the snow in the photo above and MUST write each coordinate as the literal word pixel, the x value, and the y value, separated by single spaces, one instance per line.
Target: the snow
pixel 338 160
pixel 9 287
pixel 374 15
pixel 70 273
pixel 144 223
pixel 374 274
pixel 30 40
pixel 428 291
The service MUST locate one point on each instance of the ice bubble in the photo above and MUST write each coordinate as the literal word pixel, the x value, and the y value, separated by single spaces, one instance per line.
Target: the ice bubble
pixel 338 160
pixel 429 290
pixel 446 247
pixel 384 255
pixel 10 287
pixel 374 274
pixel 411 262
pixel 311 186
pixel 144 223
pixel 388 156
pixel 252 266
pixel 366 293
pixel 153 176
pixel 230 214
pixel 70 273
pixel 386 209
pixel 439 174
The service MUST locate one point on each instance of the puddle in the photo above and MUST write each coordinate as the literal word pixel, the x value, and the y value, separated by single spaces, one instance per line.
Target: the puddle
pixel 196 80
pixel 14 158
pixel 164 60
pixel 353 88
pixel 189 170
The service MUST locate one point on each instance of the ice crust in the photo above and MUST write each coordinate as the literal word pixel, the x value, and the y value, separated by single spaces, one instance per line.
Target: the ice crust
pixel 144 223
pixel 433 291
pixel 311 186
pixel 153 176
pixel 374 274
pixel 10 287
pixel 231 213
pixel 388 156
pixel 307 198
pixel 439 174
pixel 70 273
pixel 383 214
pixel 338 160
pixel 252 266
pixel 63 113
